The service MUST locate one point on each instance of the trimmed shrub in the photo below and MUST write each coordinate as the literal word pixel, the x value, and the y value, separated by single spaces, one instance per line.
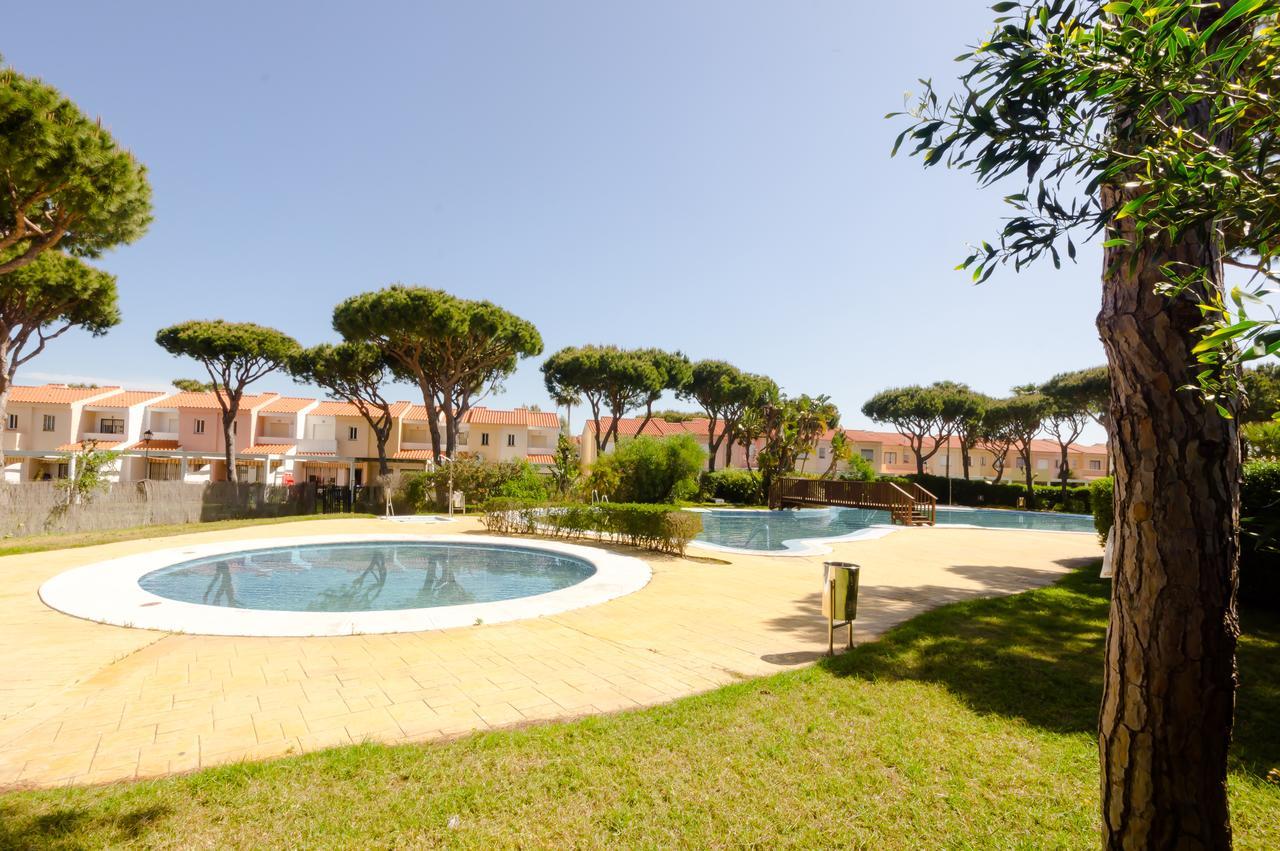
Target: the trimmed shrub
pixel 650 470
pixel 1259 529
pixel 740 487
pixel 1260 534
pixel 1102 492
pixel 652 527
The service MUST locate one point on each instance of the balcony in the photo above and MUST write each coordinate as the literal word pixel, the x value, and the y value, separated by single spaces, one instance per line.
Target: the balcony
pixel 310 445
pixel 102 436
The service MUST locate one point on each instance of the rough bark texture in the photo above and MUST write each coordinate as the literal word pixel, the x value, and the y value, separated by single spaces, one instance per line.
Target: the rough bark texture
pixel 1169 690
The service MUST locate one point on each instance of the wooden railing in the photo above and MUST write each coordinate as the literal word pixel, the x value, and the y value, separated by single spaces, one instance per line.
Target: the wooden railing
pixel 926 504
pixel 907 507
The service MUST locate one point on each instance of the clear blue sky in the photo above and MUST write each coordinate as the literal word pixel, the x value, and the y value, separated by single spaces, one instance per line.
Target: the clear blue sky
pixel 712 177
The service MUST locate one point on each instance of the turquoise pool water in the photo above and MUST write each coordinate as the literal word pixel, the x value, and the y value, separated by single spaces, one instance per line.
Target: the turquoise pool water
pixel 769 531
pixel 996 518
pixel 364 577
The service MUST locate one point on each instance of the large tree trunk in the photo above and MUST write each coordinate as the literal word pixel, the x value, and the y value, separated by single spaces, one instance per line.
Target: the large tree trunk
pixel 4 419
pixel 228 447
pixel 1063 470
pixel 1031 478
pixel 1169 690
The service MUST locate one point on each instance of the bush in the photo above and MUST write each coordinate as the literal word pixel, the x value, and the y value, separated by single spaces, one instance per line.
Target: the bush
pixel 652 527
pixel 740 487
pixel 1102 492
pixel 1260 534
pixel 478 480
pixel 1259 529
pixel 650 470
pixel 860 470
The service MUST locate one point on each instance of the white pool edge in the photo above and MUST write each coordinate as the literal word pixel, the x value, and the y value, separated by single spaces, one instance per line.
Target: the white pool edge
pixel 108 592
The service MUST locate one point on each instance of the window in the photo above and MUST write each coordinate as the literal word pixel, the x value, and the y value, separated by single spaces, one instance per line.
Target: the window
pixel 199 426
pixel 891 457
pixel 1095 464
pixel 1019 463
pixel 822 452
pixel 353 432
pixel 511 440
pixel 868 455
pixel 484 438
pixel 982 460
pixel 13 422
pixel 235 426
pixel 110 425
pixel 50 422
pixel 1042 464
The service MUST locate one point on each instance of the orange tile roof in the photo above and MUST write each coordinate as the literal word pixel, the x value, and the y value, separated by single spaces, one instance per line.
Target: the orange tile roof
pixel 542 459
pixel 269 449
pixel 417 414
pixel 57 394
pixel 156 445
pixel 80 444
pixel 287 405
pixel 336 408
pixel 412 455
pixel 209 401
pixel 128 398
pixel 481 415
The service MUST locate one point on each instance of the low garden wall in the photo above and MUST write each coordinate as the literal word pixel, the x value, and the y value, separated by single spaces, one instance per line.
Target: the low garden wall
pixel 39 508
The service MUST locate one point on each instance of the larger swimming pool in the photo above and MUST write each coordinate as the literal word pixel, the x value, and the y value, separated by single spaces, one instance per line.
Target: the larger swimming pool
pixel 366 577
pixel 801 530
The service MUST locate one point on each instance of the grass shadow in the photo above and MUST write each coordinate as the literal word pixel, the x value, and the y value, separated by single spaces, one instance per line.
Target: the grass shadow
pixel 62 827
pixel 1038 657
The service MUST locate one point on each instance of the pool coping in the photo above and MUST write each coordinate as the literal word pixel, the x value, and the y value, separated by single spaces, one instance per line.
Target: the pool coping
pixel 108 592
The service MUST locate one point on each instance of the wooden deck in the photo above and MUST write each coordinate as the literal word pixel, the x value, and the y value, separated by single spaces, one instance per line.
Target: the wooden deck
pixel 908 505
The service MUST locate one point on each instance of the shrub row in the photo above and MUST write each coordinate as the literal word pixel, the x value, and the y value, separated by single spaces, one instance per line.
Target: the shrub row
pixel 977 493
pixel 740 487
pixel 1259 529
pixel 661 528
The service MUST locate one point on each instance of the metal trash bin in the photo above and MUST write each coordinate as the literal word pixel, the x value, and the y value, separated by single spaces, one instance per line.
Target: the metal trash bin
pixel 839 599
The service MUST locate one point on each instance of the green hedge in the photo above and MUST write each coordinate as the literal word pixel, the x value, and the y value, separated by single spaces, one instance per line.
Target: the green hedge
pixel 1259 529
pixel 1104 505
pixel 1260 534
pixel 978 494
pixel 651 527
pixel 740 487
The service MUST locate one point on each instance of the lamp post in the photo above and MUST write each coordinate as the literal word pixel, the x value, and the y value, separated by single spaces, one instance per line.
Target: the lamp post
pixel 445 459
pixel 146 454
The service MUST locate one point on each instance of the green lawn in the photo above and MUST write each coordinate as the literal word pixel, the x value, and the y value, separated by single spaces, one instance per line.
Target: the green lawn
pixel 971 726
pixel 44 543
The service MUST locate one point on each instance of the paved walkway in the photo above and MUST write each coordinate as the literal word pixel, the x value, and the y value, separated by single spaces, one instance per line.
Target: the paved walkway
pixel 81 702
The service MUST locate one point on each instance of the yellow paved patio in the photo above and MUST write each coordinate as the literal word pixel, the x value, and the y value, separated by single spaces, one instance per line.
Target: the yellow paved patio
pixel 82 702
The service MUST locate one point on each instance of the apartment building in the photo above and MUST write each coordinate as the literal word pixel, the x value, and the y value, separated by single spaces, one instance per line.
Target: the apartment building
pixel 40 421
pixel 277 439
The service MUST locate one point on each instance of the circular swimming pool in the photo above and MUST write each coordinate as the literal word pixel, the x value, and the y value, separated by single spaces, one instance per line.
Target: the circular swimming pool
pixel 367 577
pixel 339 585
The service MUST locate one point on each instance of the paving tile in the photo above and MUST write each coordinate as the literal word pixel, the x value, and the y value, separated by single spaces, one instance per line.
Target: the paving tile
pixel 94 703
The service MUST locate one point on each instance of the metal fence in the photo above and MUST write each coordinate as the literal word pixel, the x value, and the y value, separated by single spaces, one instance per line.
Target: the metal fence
pixel 36 508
